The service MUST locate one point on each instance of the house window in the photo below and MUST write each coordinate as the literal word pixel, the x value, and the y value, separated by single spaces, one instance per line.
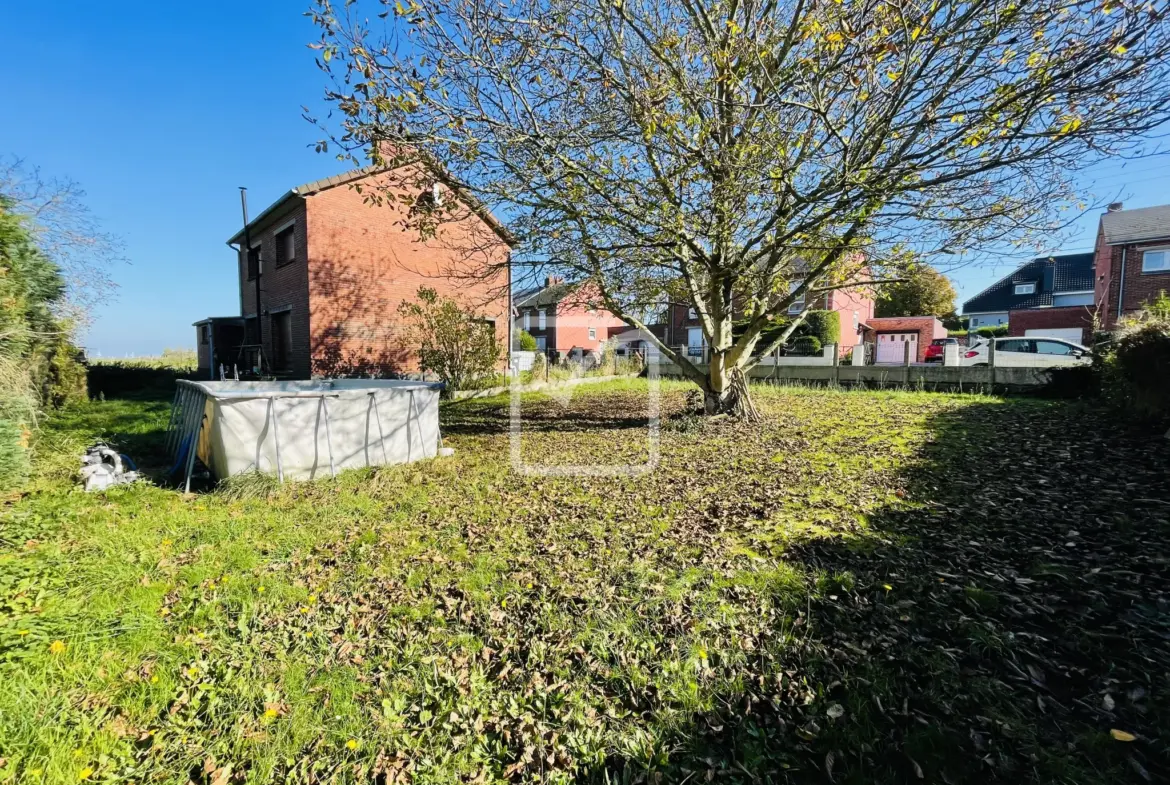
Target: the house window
pixel 205 334
pixel 286 246
pixel 692 313
pixel 1156 261
pixel 797 305
pixel 592 333
pixel 281 340
pixel 540 324
pixel 1026 288
pixel 253 263
pixel 527 320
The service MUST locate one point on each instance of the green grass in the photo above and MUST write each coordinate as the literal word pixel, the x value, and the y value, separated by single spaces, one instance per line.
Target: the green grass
pixel 863 587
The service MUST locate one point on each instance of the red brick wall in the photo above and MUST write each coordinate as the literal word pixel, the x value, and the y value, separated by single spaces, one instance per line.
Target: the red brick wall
pixel 1045 318
pixel 927 327
pixel 1139 287
pixel 281 287
pixel 573 322
pixel 364 261
pixel 1103 273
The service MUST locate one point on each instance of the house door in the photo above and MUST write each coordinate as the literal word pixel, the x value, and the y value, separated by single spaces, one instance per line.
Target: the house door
pixel 694 341
pixel 891 347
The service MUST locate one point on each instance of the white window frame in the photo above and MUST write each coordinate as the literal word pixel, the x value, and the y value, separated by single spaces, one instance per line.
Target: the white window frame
pixel 593 333
pixel 692 313
pixel 797 305
pixel 541 321
pixel 1030 288
pixel 527 321
pixel 1165 252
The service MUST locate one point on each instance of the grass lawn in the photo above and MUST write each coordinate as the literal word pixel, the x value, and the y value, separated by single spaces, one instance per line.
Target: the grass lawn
pixel 866 588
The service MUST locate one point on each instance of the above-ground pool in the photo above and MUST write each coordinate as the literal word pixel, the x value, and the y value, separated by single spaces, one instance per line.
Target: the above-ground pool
pixel 302 429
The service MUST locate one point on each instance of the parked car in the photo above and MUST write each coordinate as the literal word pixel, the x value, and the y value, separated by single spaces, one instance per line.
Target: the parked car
pixel 1028 353
pixel 934 352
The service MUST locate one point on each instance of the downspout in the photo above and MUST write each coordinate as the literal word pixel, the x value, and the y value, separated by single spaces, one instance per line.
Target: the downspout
pixel 211 351
pixel 1121 282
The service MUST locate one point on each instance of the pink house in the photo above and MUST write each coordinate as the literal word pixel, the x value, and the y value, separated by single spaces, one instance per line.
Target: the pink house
pixel 565 318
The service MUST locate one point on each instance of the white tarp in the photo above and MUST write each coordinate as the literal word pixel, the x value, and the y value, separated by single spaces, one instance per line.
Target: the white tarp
pixel 363 422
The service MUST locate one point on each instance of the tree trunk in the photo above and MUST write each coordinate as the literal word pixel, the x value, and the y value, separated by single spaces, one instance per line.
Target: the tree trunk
pixel 717 393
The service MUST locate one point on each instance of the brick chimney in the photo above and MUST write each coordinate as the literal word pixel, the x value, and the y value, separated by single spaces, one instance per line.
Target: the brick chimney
pixel 553 280
pixel 1114 207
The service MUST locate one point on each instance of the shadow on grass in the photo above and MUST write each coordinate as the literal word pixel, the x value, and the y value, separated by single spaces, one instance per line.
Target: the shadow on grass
pixel 995 627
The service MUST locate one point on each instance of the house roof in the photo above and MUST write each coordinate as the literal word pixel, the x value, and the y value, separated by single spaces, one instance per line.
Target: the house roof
pixel 316 186
pixel 1069 273
pixel 1131 226
pixel 544 295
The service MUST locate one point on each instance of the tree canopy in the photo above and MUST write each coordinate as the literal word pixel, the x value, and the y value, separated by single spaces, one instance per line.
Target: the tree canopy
pixel 755 151
pixel 922 291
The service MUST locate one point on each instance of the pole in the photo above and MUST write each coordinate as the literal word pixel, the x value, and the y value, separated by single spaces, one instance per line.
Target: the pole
pixel 247 255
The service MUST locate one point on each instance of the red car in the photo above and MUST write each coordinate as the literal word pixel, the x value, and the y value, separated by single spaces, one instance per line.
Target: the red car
pixel 934 352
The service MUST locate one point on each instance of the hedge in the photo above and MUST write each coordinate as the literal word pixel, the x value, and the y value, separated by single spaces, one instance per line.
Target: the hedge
pixel 825 326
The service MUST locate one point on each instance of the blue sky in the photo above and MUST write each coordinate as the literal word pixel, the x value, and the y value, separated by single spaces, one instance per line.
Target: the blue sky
pixel 160 110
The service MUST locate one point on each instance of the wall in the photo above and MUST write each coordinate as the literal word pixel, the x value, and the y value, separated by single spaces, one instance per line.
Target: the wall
pixel 927 327
pixel 573 322
pixel 847 302
pixel 284 287
pixel 1139 287
pixel 1042 318
pixel 365 260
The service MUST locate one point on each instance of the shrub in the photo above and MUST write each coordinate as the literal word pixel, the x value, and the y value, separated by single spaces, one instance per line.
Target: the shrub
pixel 806 346
pixel 1141 365
pixel 453 343
pixel 992 332
pixel 526 341
pixel 825 326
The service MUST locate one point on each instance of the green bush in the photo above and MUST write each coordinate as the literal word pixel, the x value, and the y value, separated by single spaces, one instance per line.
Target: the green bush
pixel 825 326
pixel 1141 366
pixel 133 379
pixel 806 346
pixel 526 341
pixel 992 332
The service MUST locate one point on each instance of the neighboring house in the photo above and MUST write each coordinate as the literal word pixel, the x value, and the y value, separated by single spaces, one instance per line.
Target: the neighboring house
pixel 333 269
pixel 1050 295
pixel 1132 259
pixel 854 307
pixel 565 318
pixel 891 334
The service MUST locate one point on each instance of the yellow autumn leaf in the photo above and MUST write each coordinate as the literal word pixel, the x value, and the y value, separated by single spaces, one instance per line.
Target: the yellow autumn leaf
pixel 1121 735
pixel 1119 50
pixel 835 38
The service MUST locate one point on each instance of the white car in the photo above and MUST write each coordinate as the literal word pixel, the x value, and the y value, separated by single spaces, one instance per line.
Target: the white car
pixel 1030 352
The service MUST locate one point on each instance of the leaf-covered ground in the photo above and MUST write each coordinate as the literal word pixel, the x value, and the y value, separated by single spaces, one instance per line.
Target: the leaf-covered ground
pixel 868 587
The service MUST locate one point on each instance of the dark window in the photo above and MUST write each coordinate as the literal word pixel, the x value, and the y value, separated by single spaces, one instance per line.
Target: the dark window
pixel 251 334
pixel 253 263
pixel 1027 347
pixel 281 340
pixel 204 334
pixel 286 246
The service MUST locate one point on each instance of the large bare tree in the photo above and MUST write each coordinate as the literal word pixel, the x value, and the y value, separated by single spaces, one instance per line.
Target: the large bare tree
pixel 757 152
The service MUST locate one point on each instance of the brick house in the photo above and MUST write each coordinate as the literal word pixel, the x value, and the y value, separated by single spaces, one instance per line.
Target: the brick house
pixel 332 270
pixel 890 334
pixel 682 327
pixel 1050 295
pixel 1132 259
pixel 565 318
